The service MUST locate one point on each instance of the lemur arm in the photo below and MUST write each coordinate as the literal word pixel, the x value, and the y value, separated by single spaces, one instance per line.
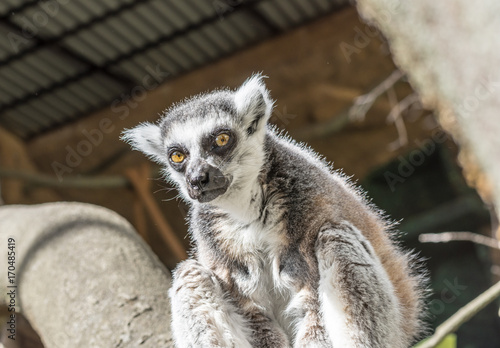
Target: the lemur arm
pixel 357 300
pixel 202 316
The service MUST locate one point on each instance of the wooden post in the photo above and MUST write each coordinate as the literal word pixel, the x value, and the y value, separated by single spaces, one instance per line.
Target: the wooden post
pixel 140 222
pixel 136 177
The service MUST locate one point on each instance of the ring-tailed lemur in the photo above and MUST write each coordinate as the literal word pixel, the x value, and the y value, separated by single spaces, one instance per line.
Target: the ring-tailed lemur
pixel 287 251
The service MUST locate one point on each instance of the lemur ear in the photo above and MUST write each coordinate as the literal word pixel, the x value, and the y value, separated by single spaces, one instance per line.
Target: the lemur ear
pixel 253 103
pixel 146 138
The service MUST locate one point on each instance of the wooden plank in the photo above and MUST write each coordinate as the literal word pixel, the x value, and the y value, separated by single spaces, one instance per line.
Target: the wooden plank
pixel 141 187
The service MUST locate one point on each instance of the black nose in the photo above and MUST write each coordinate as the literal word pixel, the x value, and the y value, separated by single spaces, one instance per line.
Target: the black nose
pixel 199 179
pixel 202 177
pixel 199 175
pixel 204 181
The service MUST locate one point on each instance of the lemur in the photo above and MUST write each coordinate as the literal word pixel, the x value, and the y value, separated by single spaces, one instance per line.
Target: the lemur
pixel 287 252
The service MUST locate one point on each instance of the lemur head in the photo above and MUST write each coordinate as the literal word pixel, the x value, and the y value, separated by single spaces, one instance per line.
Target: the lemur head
pixel 212 145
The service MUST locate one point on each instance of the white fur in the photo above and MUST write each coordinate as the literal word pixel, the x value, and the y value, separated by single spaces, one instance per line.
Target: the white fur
pixel 333 311
pixel 189 134
pixel 258 246
pixel 146 137
pixel 247 95
pixel 230 327
pixel 309 155
pixel 237 201
pixel 261 245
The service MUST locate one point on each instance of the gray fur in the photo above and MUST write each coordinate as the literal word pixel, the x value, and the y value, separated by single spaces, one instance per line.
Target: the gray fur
pixel 289 253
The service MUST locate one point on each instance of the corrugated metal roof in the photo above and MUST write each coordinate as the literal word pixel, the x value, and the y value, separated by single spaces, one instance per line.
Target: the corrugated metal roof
pixel 62 59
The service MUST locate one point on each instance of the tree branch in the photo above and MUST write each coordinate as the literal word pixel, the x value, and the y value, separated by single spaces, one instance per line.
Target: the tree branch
pixel 461 316
pixel 445 237
pixel 357 111
pixel 395 117
pixel 364 102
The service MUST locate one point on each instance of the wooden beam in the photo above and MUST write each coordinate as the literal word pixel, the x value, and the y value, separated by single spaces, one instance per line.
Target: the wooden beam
pixel 69 182
pixel 140 221
pixel 142 189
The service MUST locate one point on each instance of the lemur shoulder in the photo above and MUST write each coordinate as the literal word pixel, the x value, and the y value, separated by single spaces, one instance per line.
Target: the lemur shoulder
pixel 287 251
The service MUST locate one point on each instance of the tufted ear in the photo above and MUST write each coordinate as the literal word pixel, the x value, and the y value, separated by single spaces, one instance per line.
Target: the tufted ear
pixel 146 138
pixel 253 103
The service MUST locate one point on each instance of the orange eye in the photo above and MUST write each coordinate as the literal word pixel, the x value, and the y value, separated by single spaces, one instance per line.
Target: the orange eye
pixel 177 157
pixel 222 139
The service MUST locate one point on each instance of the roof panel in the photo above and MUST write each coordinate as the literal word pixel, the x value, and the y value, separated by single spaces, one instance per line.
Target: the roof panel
pixel 94 45
pixel 249 25
pixel 65 65
pixel 40 61
pixel 12 42
pixel 20 123
pixel 4 8
pixel 308 8
pixel 43 106
pixel 155 19
pixel 84 55
pixel 12 89
pixel 15 3
pixel 98 8
pixel 111 42
pixel 165 63
pixel 138 24
pixel 71 98
pixel 6 95
pixel 273 14
pixel 113 4
pixel 186 10
pixel 17 80
pixel 207 8
pixel 131 69
pixel 205 44
pixel 33 116
pixel 220 38
pixel 288 9
pixel 81 46
pixel 232 32
pixel 170 14
pixel 87 96
pixel 177 55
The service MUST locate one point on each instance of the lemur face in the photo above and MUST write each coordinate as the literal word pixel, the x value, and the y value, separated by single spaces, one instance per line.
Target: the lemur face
pixel 212 144
pixel 200 140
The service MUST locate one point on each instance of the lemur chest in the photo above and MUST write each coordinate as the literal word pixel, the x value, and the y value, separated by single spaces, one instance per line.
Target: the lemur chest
pixel 258 264
pixel 258 252
pixel 256 271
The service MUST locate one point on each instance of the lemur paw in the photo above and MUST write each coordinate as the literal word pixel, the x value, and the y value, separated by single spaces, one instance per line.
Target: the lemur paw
pixel 191 275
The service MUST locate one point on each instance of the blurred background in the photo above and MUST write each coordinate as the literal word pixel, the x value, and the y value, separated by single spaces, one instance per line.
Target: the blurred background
pixel 74 74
